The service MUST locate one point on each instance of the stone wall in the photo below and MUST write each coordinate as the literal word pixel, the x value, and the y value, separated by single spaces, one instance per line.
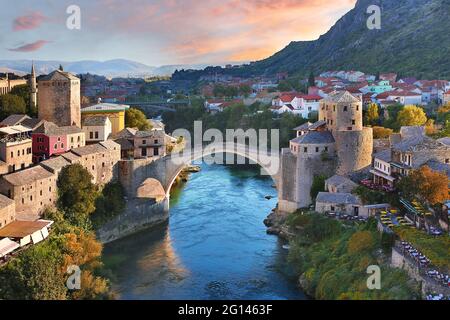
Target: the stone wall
pixel 139 214
pixel 428 286
pixel 354 150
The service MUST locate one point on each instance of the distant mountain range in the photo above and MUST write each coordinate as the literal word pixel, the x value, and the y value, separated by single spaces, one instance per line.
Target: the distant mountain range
pixel 110 68
pixel 414 40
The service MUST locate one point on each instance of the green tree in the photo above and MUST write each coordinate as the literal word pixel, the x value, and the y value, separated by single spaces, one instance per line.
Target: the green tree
pixel 77 195
pixel 311 80
pixel 135 118
pixel 109 204
pixel 411 116
pixel 318 185
pixel 11 104
pixel 372 115
pixel 245 90
pixel 284 86
pixel 23 91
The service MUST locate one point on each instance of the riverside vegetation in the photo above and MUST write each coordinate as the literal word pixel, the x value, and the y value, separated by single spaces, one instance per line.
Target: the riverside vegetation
pixel 40 272
pixel 332 257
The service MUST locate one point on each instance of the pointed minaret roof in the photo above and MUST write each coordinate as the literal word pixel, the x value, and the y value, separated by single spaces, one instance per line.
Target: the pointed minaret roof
pixel 33 72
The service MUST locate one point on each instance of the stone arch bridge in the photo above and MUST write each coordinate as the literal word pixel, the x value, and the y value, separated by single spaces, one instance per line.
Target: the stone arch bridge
pixel 134 174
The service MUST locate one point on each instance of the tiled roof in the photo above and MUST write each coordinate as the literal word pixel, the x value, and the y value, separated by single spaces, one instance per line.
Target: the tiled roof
pixel 51 129
pixel 303 127
pixel 28 176
pixel 342 97
pixel 55 73
pixel 5 201
pixel 14 119
pixel 55 164
pixel 385 155
pixel 338 198
pixel 315 137
pixel 88 150
pixel 337 180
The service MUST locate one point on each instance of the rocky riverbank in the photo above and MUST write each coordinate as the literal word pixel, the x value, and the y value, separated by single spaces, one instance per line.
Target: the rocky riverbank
pixel 331 258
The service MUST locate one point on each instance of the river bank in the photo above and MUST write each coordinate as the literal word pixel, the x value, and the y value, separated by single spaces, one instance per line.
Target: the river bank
pixel 331 258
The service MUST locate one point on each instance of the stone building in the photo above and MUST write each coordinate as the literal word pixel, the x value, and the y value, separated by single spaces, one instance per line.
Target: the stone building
pixel 32 189
pixel 339 184
pixel 6 85
pixel 33 88
pixel 336 144
pixel 59 99
pixel 15 148
pixel 142 144
pixel 343 203
pixel 7 211
pixel 101 160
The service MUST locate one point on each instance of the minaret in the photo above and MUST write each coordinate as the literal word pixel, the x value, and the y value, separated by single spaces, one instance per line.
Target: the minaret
pixel 33 88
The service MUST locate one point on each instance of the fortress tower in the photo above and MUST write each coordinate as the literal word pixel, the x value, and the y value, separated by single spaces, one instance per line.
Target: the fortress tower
pixel 59 99
pixel 337 143
pixel 343 114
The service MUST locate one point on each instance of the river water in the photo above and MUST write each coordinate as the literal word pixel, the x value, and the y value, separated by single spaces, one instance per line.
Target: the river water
pixel 214 247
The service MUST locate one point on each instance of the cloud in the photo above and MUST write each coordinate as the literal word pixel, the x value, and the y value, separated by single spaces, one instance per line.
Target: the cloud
pixel 29 22
pixel 30 46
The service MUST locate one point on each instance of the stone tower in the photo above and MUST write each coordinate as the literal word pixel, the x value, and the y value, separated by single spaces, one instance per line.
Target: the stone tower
pixel 33 88
pixel 59 99
pixel 343 114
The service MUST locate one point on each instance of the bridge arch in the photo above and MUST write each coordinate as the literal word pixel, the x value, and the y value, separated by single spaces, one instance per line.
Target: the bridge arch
pixel 267 161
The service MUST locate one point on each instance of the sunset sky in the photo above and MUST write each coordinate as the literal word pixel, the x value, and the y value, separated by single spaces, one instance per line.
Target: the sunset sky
pixel 158 32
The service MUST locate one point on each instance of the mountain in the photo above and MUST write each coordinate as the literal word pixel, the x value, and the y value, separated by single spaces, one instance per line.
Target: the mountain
pixel 110 68
pixel 414 40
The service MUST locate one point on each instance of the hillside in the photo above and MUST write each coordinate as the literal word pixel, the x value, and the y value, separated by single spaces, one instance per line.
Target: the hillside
pixel 414 40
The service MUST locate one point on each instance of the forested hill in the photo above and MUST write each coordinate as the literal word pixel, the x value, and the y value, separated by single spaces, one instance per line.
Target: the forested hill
pixel 414 40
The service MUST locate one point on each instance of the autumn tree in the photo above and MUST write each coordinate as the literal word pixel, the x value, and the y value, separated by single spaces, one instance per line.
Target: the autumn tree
pixel 135 118
pixel 372 116
pixel 425 184
pixel 360 241
pixel 381 132
pixel 411 116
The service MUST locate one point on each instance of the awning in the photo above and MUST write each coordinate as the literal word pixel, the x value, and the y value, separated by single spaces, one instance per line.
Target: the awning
pixel 7 246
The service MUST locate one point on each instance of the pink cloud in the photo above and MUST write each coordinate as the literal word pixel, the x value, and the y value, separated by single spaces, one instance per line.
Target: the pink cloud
pixel 30 46
pixel 29 21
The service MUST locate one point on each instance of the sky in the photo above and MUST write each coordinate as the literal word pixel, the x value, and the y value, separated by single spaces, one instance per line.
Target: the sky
pixel 162 32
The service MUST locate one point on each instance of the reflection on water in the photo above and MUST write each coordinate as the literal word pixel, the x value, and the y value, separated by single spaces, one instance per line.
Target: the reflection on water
pixel 214 247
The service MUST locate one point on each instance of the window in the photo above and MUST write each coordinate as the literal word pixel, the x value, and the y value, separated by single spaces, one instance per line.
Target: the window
pixel 326 149
pixel 305 149
pixel 59 139
pixel 79 137
pixel 349 128
pixel 144 141
pixel 334 108
pixel 317 149
pixel 71 139
pixel 62 145
pixel 91 135
pixel 447 160
pixel 353 122
pixel 357 108
pixel 12 154
pixel 55 146
pixel 18 153
pixel 96 134
pixel 345 108
pixel 156 141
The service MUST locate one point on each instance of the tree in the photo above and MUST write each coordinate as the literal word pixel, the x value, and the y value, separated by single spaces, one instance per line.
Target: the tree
pixel 284 86
pixel 23 91
pixel 76 194
pixel 311 80
pixel 245 90
pixel 11 104
pixel 318 185
pixel 411 116
pixel 135 118
pixel 381 132
pixel 109 204
pixel 361 241
pixel 372 116
pixel 425 184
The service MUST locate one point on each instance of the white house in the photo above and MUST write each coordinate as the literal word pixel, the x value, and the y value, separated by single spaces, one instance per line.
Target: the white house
pixel 405 97
pixel 97 129
pixel 300 104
